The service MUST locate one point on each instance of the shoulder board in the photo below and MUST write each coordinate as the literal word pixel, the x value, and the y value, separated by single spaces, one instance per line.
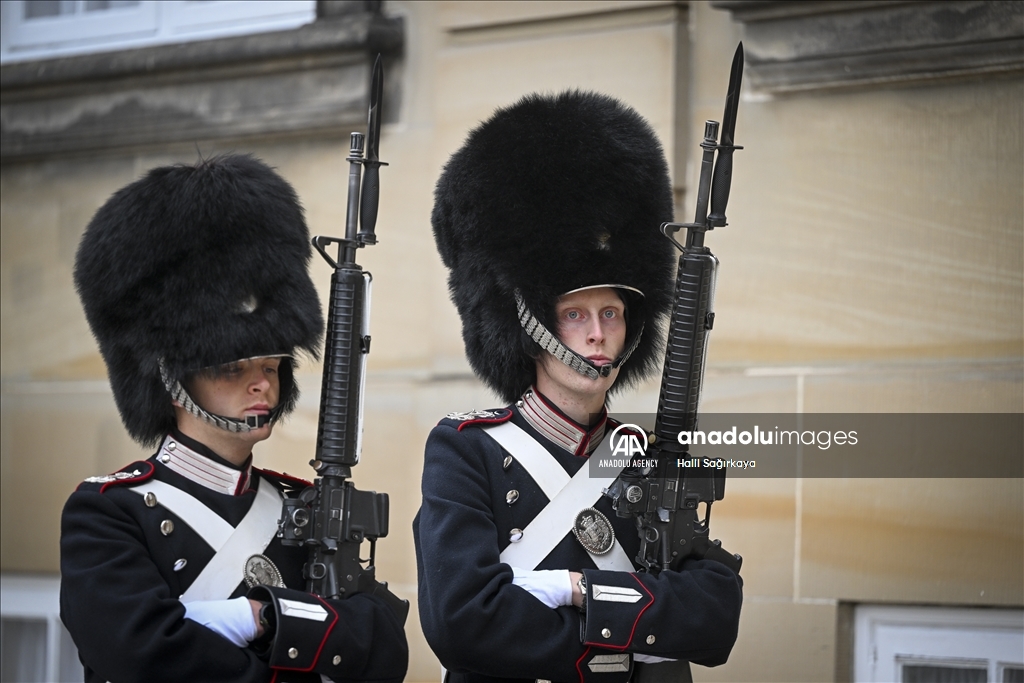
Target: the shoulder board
pixel 286 480
pixel 135 473
pixel 476 417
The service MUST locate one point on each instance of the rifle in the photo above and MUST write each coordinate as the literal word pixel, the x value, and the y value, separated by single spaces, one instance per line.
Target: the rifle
pixel 666 500
pixel 333 517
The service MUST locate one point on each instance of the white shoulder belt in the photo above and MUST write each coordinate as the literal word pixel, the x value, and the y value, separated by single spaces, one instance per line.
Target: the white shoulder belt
pixel 566 498
pixel 232 545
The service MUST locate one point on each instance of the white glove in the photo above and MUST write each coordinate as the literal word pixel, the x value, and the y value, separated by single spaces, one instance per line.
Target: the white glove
pixel 551 586
pixel 231 619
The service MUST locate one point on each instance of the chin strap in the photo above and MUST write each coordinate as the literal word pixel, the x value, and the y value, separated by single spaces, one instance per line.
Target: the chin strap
pixel 231 424
pixel 556 348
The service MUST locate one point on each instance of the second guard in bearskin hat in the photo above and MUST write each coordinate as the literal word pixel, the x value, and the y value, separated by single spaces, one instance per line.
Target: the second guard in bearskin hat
pixel 194 283
pixel 548 221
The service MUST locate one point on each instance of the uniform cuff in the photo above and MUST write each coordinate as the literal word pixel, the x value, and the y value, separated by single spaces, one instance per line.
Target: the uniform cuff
pixel 304 622
pixel 615 603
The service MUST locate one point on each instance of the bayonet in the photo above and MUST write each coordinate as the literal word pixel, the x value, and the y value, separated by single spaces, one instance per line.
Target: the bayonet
pixel 722 181
pixel 371 175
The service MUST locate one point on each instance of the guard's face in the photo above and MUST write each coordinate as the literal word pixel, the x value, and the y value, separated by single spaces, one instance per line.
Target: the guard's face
pixel 592 323
pixel 245 387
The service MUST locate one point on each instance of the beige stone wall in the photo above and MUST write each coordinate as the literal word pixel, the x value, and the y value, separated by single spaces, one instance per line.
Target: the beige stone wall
pixel 873 262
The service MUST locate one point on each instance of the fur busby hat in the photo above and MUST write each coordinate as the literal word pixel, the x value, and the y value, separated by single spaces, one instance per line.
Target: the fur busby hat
pixel 552 194
pixel 191 267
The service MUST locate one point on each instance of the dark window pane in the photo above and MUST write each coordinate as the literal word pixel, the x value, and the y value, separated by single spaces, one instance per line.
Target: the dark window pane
pixel 931 673
pixel 22 650
pixel 34 9
pixel 100 5
pixel 1013 674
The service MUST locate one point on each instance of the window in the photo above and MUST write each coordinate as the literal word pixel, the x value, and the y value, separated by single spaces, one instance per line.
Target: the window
pixel 38 29
pixel 938 645
pixel 34 645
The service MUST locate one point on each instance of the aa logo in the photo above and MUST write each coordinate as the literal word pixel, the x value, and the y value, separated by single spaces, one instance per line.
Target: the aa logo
pixel 629 440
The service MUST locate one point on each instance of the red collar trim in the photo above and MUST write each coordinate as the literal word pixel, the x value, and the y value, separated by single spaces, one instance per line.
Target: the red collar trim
pixel 556 426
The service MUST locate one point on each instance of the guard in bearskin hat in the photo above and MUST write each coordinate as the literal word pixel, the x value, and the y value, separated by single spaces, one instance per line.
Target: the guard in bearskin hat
pixel 194 282
pixel 548 220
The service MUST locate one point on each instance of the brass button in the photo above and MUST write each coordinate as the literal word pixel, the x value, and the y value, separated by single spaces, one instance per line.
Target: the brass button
pixel 337 660
pixel 512 496
pixel 293 653
pixel 150 499
pixel 606 633
pixel 166 527
pixel 650 640
pixel 515 535
pixel 508 461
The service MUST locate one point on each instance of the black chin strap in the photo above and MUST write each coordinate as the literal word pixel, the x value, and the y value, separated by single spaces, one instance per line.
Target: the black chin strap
pixel 556 348
pixel 231 424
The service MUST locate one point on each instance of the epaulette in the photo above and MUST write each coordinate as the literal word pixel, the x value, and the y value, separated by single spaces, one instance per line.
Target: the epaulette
pixel 477 417
pixel 135 473
pixel 288 481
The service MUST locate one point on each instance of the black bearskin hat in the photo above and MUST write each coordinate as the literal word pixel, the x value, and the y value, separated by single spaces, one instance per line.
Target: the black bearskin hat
pixel 549 195
pixel 195 266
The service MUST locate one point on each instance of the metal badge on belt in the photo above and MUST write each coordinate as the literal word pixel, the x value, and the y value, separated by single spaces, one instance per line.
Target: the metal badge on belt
pixel 593 530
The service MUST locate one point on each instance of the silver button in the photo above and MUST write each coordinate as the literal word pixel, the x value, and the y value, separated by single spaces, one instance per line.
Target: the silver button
pixel 519 404
pixel 150 499
pixel 166 527
pixel 180 564
pixel 515 535
pixel 528 395
pixel 508 461
pixel 171 445
pixel 164 458
pixel 337 660
pixel 650 640
pixel 512 496
pixel 293 653
pixel 606 633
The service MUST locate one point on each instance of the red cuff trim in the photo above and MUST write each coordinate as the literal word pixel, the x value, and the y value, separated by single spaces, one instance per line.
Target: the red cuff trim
pixel 636 621
pixel 323 641
pixel 579 661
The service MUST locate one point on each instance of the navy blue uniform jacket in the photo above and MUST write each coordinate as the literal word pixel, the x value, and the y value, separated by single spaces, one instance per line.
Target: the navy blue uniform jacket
pixel 119 596
pixel 484 628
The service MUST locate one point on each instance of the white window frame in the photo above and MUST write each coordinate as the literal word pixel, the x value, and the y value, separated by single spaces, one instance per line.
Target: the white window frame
pixel 886 638
pixel 38 598
pixel 151 22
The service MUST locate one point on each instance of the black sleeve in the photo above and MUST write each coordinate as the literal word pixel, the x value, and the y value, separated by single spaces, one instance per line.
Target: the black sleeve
pixel 691 614
pixel 472 615
pixel 356 639
pixel 120 611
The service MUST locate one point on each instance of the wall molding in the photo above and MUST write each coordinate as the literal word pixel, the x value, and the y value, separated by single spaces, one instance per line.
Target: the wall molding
pixel 820 45
pixel 309 80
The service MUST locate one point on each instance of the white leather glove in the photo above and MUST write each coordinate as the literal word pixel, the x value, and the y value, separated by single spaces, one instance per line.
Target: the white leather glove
pixel 550 586
pixel 231 619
